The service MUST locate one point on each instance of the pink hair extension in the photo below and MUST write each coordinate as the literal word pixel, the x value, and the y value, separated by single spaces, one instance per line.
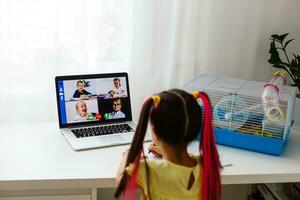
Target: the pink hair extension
pixel 130 191
pixel 211 181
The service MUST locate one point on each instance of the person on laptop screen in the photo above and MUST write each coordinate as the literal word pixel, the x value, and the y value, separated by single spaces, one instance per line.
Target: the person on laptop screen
pixel 81 92
pixel 117 90
pixel 111 94
pixel 82 112
pixel 117 113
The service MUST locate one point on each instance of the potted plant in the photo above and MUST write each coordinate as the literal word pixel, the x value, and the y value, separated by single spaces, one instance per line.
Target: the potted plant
pixel 290 65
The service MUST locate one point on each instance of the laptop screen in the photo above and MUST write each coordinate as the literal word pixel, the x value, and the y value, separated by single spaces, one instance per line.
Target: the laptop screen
pixel 92 99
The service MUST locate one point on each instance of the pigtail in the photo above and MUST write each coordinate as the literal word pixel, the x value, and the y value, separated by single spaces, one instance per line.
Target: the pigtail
pixel 211 165
pixel 134 155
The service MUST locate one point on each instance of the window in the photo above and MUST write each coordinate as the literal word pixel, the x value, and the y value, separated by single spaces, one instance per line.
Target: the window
pixel 40 39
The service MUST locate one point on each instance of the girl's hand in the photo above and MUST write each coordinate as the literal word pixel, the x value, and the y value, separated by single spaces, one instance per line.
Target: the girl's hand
pixel 155 150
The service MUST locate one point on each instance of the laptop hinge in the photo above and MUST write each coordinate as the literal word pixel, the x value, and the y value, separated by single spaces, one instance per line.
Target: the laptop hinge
pixel 91 125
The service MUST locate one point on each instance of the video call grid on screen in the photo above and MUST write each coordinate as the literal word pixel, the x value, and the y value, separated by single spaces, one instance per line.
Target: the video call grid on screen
pixel 97 99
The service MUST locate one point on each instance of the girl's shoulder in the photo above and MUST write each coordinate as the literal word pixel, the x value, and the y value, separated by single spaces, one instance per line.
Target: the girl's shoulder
pixel 162 165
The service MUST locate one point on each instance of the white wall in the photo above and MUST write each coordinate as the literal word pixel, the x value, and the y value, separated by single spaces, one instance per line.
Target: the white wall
pixel 233 35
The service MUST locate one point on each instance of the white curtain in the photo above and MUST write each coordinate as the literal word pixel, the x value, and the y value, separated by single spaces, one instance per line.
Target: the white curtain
pixel 40 39
pixel 235 41
pixel 162 44
pixel 164 47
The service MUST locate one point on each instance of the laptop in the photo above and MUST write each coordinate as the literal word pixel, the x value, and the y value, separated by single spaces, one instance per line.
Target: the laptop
pixel 94 110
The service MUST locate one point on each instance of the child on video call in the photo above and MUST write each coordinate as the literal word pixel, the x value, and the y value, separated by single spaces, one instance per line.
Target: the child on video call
pixel 81 92
pixel 117 89
pixel 117 113
pixel 175 121
pixel 82 111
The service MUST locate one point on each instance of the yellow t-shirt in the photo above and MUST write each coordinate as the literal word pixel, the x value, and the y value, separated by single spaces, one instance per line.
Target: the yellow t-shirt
pixel 168 180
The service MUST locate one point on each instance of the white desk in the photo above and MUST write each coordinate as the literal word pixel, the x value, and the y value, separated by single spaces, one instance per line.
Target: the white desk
pixel 35 156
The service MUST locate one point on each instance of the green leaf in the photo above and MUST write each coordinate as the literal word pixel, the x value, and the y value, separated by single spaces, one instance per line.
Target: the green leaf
pixel 298 58
pixel 285 45
pixel 279 38
pixel 297 82
pixel 275 36
pixel 294 66
pixel 272 47
pixel 274 59
pixel 294 63
pixel 282 37
pixel 298 66
pixel 279 66
pixel 271 61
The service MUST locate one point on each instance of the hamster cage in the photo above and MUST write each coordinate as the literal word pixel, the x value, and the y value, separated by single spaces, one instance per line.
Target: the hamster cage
pixel 239 119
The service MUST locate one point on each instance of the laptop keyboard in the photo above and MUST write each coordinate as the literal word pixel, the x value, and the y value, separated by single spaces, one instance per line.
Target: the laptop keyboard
pixel 101 130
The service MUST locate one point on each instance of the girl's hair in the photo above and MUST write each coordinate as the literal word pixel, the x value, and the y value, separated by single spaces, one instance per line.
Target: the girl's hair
pixel 177 120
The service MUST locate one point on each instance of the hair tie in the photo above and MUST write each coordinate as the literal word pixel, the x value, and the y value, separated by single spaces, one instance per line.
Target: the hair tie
pixel 156 100
pixel 195 95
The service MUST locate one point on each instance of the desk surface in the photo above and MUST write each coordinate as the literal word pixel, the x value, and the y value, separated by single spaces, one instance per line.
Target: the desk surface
pixel 36 156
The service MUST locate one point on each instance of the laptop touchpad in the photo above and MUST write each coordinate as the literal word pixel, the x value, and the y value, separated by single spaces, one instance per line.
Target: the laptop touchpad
pixel 112 139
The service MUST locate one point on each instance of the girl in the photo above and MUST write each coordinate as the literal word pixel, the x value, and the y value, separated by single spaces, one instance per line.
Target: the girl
pixel 176 120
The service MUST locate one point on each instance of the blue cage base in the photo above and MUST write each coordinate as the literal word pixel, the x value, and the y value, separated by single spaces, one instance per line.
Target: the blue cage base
pixel 250 142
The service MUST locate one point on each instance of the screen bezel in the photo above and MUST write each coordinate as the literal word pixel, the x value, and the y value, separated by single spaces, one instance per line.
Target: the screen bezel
pixel 92 76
